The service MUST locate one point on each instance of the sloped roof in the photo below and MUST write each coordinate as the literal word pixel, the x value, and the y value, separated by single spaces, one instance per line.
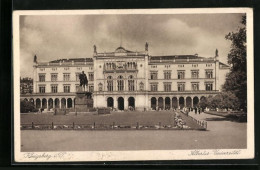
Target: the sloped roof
pixel 73 59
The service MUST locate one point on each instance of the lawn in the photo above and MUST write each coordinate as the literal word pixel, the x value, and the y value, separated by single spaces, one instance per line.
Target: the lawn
pixel 233 116
pixel 119 118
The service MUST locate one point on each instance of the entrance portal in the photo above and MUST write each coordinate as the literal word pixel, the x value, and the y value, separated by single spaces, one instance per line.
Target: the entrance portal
pixel 120 103
pixel 131 103
pixel 153 103
pixel 110 102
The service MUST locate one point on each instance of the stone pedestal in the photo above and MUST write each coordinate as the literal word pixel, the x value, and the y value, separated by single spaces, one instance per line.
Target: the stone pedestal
pixel 83 101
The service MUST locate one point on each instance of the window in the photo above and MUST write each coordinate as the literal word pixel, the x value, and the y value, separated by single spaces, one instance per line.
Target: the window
pixel 153 75
pixel 181 74
pixel 209 86
pixel 131 84
pixel 181 87
pixel 194 65
pixel 195 86
pixel 54 77
pixel 100 87
pixel 54 69
pixel 66 88
pixel 209 74
pixel 79 68
pixel 167 66
pixel 195 74
pixel 66 77
pixel 141 86
pixel 42 69
pixel 167 87
pixel 66 68
pixel 109 83
pixel 154 87
pixel 120 83
pixel 77 87
pixel 208 65
pixel 91 76
pixel 77 76
pixel 54 88
pixel 167 75
pixel 42 77
pixel 42 89
pixel 181 65
pixel 91 88
pixel 154 66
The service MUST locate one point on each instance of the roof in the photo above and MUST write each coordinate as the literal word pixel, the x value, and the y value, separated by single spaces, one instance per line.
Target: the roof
pixel 121 50
pixel 73 59
pixel 172 57
pixel 222 65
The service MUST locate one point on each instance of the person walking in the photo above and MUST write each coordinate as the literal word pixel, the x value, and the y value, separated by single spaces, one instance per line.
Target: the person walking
pixel 195 110
pixel 199 110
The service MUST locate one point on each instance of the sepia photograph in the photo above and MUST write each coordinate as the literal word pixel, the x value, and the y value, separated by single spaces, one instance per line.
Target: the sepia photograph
pixel 139 84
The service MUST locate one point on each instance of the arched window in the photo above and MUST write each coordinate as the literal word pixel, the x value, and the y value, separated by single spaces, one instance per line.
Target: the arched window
pixel 109 83
pixel 141 86
pixel 131 83
pixel 100 87
pixel 120 83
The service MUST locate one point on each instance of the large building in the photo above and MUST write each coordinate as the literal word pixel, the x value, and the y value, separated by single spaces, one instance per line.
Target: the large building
pixel 126 79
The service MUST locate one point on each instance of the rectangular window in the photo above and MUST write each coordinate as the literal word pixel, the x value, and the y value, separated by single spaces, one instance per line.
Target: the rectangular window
pixel 91 76
pixel 77 87
pixel 181 74
pixel 194 74
pixel 66 68
pixel 54 69
pixel 195 86
pixel 66 77
pixel 54 77
pixel 153 75
pixel 131 85
pixel 181 87
pixel 54 88
pixel 141 86
pixel 154 87
pixel 209 74
pixel 42 77
pixel 167 75
pixel 77 77
pixel 42 89
pixel 91 88
pixel 167 87
pixel 209 86
pixel 66 88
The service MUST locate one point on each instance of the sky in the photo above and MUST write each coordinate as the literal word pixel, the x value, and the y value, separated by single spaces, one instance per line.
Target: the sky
pixel 73 36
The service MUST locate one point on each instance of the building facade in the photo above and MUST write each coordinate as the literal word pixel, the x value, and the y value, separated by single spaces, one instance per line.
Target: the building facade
pixel 126 79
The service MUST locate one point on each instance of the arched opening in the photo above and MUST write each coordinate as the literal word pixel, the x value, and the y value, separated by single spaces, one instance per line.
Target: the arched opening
pixel 50 103
pixel 25 99
pixel 44 103
pixel 110 102
pixel 69 100
pixel 181 102
pixel 175 102
pixel 32 100
pixel 153 103
pixel 188 102
pixel 38 103
pixel 131 103
pixel 167 103
pixel 57 103
pixel 195 101
pixel 202 98
pixel 63 103
pixel 120 103
pixel 160 103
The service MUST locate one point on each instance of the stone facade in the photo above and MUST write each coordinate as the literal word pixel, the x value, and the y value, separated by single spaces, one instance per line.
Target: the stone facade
pixel 126 79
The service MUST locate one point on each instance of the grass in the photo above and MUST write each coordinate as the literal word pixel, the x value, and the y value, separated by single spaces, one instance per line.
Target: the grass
pixel 119 118
pixel 232 116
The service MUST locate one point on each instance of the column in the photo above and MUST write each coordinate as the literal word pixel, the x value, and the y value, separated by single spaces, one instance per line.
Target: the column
pixel 72 102
pixel 41 102
pixel 116 103
pixel 177 102
pixel 191 102
pixel 47 103
pixel 60 103
pixel 170 103
pixel 125 103
pixel 149 104
pixel 66 103
pixel 184 102
pixel 157 103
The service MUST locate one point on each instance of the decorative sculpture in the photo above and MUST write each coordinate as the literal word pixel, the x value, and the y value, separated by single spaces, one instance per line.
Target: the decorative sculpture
pixel 83 80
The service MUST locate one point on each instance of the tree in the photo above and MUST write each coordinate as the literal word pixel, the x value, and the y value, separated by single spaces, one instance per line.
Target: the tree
pixel 26 106
pixel 236 79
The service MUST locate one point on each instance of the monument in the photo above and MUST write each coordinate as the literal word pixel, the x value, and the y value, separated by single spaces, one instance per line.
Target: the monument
pixel 83 100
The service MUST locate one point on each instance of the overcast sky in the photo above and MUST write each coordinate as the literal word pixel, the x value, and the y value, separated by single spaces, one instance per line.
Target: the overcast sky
pixel 67 36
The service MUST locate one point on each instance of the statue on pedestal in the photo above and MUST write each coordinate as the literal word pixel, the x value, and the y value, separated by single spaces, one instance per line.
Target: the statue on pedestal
pixel 83 80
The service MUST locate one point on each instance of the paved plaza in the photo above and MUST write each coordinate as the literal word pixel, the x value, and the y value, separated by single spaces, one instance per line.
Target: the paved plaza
pixel 221 134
